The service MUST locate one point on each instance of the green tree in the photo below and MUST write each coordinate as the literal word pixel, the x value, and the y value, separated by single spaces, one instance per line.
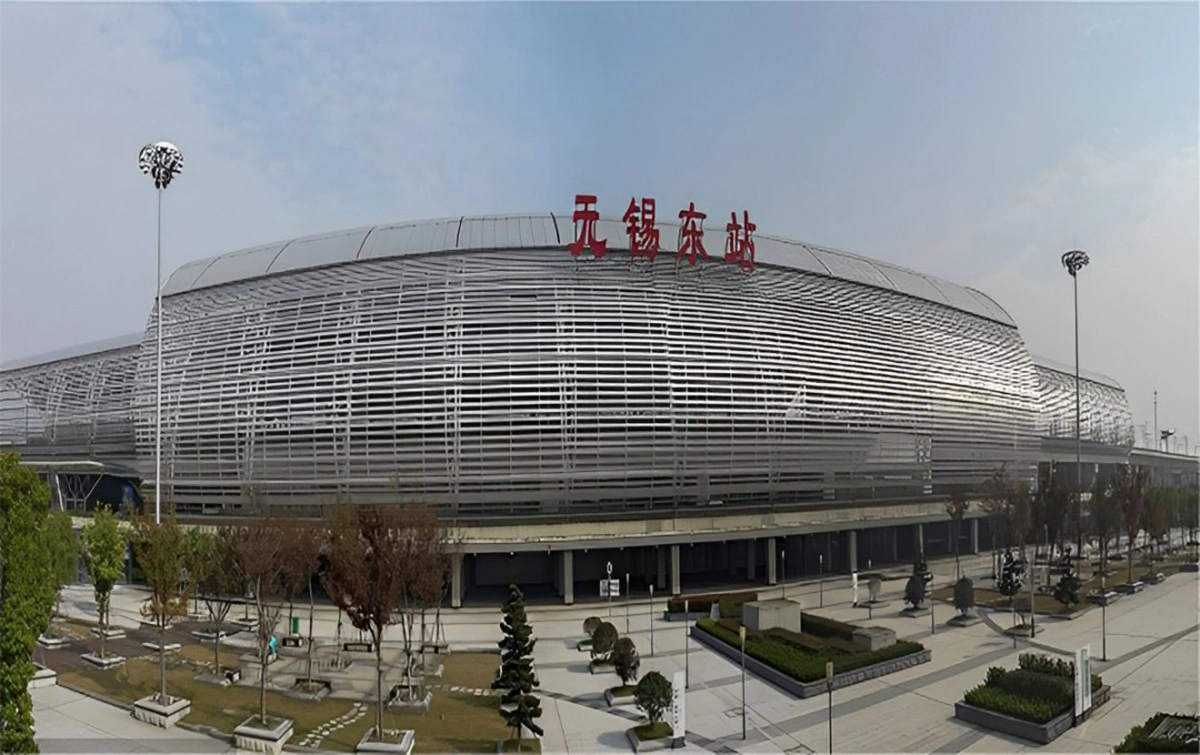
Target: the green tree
pixel 520 708
pixel 27 589
pixel 162 553
pixel 63 549
pixel 1104 514
pixel 590 624
pixel 1012 572
pixel 103 545
pixel 1129 489
pixel 604 639
pixel 1066 591
pixel 625 660
pixel 964 595
pixel 200 547
pixel 257 551
pixel 653 696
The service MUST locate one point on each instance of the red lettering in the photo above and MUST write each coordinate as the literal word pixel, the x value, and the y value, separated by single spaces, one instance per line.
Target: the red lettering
pixel 739 241
pixel 585 237
pixel 639 224
pixel 691 234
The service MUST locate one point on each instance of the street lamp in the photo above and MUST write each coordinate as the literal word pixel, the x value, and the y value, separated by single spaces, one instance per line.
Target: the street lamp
pixel 162 161
pixel 1074 261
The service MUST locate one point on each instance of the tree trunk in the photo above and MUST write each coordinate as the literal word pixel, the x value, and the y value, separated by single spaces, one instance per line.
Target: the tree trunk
pixel 310 628
pixel 103 625
pixel 1131 559
pixel 263 644
pixel 217 651
pixel 378 681
pixel 162 662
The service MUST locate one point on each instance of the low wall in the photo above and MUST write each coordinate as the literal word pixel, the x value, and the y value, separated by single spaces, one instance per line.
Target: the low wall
pixel 1041 733
pixel 810 689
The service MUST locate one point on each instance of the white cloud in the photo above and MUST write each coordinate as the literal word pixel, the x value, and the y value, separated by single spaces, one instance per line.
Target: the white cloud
pixel 1137 217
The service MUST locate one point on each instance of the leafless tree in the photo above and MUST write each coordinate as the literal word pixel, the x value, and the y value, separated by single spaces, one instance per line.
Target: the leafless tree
pixel 301 556
pixel 162 555
pixel 1129 489
pixel 220 585
pixel 258 551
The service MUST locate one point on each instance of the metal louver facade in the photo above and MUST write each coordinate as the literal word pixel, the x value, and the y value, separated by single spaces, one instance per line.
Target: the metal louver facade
pixel 1103 409
pixel 501 378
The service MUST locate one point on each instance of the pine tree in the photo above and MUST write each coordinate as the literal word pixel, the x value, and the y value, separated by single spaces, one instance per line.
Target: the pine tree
pixel 519 706
pixel 1067 589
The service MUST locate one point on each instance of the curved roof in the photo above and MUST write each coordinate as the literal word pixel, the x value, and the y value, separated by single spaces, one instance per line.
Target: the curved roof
pixel 1066 369
pixel 552 231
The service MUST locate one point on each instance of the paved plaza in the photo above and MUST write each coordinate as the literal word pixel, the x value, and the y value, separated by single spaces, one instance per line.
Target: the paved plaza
pixel 1152 666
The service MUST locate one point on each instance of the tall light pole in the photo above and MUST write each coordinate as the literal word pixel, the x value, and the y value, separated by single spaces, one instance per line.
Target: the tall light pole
pixel 162 161
pixel 1074 261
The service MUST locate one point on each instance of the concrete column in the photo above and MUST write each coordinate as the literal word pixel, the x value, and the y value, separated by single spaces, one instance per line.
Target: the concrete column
pixel 771 555
pixel 456 575
pixel 568 577
pixel 895 544
pixel 675 588
pixel 975 536
pixel 751 559
pixel 853 550
pixel 920 538
pixel 729 558
pixel 660 572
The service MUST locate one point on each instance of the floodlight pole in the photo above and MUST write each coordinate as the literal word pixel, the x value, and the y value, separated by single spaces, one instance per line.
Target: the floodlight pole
pixel 651 619
pixel 158 327
pixel 1074 261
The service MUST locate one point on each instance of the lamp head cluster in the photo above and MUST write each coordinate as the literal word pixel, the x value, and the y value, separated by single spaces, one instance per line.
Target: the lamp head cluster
pixel 162 161
pixel 1074 261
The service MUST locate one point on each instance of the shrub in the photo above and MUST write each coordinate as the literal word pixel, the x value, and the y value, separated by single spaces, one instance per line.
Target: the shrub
pixel 604 639
pixel 1000 701
pixel 625 660
pixel 590 624
pixel 1035 685
pixel 1139 740
pixel 799 663
pixel 653 695
pixel 704 603
pixel 730 609
pixel 1046 665
pixel 964 595
pixel 820 626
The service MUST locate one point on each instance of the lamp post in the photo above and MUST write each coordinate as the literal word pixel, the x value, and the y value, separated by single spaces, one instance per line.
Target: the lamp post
pixel 783 570
pixel 162 161
pixel 821 577
pixel 652 620
pixel 1074 261
pixel 742 632
pixel 687 658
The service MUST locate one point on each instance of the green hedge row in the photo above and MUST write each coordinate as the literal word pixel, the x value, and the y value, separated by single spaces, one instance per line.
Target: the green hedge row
pixel 1033 685
pixel 1000 701
pixel 801 664
pixel 1056 667
pixel 705 602
pixel 820 626
pixel 1138 739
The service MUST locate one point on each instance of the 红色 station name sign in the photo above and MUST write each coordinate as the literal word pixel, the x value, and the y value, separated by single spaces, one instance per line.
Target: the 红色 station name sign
pixel 639 220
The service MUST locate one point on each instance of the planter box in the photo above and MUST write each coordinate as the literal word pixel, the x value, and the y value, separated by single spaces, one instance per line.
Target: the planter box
pixel 109 634
pixel 42 677
pixel 1157 579
pixel 584 645
pixel 681 616
pixel 292 641
pixel 1041 733
pixel 149 710
pixel 249 624
pixel 207 636
pixel 613 700
pixel 172 647
pixel 1190 567
pixel 819 687
pixel 1129 588
pixel 255 737
pixel 402 746
pixel 651 745
pixel 964 621
pixel 1104 598
pixel 52 643
pixel 1022 630
pixel 111 661
pixel 358 647
pixel 913 613
pixel 873 638
pixel 601 668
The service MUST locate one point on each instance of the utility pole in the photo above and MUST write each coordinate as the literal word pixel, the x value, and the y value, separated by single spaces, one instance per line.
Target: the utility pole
pixel 652 620
pixel 1156 420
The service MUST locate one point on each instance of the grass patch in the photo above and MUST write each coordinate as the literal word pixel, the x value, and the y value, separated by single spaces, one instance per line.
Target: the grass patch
pixel 455 722
pixel 803 663
pixel 1038 691
pixel 660 730
pixel 472 670
pixel 522 745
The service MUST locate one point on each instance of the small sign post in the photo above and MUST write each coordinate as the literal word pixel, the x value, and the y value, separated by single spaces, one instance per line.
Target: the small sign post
pixel 687 672
pixel 652 620
pixel 678 707
pixel 608 568
pixel 829 684
pixel 1083 680
pixel 742 633
pixel 854 586
pixel 821 577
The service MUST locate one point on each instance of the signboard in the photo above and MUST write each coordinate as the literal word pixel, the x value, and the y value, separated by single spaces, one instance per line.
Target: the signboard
pixel 678 698
pixel 1083 680
pixel 854 584
pixel 610 588
pixel 829 671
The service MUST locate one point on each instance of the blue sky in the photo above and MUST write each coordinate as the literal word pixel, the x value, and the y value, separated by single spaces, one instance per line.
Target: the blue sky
pixel 973 141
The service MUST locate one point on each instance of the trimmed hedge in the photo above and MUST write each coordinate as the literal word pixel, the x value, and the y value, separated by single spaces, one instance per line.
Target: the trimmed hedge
pixel 820 626
pixel 1138 739
pixel 1056 667
pixel 704 603
pixel 999 701
pixel 1034 685
pixel 800 663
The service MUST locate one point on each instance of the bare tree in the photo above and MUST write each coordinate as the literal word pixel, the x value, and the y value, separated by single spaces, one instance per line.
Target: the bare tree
pixel 379 560
pixel 1129 489
pixel 221 583
pixel 956 508
pixel 163 556
pixel 301 557
pixel 1104 514
pixel 257 551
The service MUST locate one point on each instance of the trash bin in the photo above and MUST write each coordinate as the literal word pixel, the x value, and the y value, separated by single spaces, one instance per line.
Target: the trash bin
pixel 295 625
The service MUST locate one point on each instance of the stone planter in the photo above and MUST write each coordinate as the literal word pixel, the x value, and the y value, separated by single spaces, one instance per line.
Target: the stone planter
pixel 401 743
pixel 913 613
pixel 253 736
pixel 1129 588
pixel 614 701
pixel 1190 567
pixel 1022 630
pixel 52 643
pixel 601 667
pixel 149 710
pixel 248 625
pixel 1157 579
pixel 42 677
pixel 109 634
pixel 584 645
pixel 650 745
pixel 964 620
pixel 1104 598
pixel 205 635
pixel 1041 733
pixel 810 689
pixel 681 616
pixel 293 641
pixel 172 647
pixel 111 661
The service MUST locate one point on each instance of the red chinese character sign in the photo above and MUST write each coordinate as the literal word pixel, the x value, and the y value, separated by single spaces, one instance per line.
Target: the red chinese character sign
pixel 639 224
pixel 586 235
pixel 691 234
pixel 739 241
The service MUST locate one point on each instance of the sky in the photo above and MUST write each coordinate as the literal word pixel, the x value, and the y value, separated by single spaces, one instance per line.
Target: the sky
pixel 971 141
